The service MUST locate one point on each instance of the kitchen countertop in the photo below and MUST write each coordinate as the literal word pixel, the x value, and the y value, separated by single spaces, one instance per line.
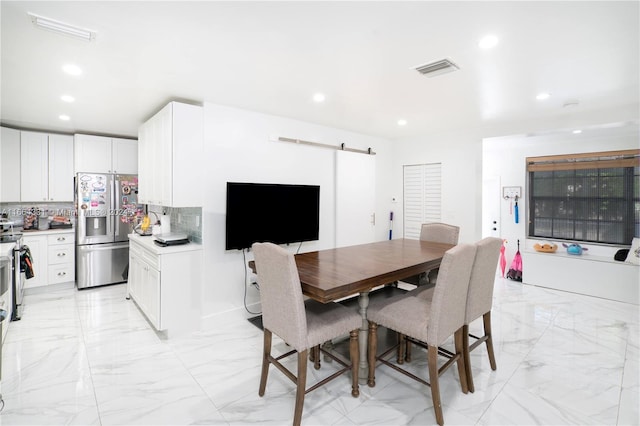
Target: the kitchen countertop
pixel 48 232
pixel 147 242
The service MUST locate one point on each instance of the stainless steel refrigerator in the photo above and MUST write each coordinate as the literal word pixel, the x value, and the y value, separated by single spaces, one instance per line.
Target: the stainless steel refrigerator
pixel 107 210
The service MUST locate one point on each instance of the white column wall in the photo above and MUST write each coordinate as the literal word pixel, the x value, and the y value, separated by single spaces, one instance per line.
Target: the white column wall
pixel 237 147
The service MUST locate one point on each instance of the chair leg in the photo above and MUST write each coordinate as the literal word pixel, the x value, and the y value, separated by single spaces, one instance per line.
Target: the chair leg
pixel 467 357
pixel 300 390
pixel 432 357
pixel 402 344
pixel 354 350
pixel 486 319
pixel 407 350
pixel 266 352
pixel 373 349
pixel 462 373
pixel 314 356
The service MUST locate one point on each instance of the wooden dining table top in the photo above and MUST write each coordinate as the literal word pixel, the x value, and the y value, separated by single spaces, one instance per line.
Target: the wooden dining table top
pixel 328 275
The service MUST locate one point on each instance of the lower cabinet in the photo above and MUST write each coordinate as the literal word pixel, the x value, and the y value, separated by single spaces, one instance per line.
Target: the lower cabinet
pixel 53 258
pixel 165 284
pixel 144 284
pixel 38 248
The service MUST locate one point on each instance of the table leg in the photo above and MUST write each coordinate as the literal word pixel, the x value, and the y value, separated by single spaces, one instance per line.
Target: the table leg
pixel 363 302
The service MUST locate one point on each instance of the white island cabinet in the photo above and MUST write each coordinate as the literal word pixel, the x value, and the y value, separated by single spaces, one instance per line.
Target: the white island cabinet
pixel 165 283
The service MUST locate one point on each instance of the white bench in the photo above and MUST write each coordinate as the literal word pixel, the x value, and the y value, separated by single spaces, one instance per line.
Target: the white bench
pixel 585 274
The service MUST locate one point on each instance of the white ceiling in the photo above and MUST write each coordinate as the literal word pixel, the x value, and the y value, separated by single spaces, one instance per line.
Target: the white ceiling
pixel 272 57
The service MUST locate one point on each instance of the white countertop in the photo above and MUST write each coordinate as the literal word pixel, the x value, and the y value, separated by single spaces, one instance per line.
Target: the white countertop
pixel 147 242
pixel 49 232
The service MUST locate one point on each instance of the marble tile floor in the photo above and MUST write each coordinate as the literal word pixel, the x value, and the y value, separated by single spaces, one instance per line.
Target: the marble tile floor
pixel 90 358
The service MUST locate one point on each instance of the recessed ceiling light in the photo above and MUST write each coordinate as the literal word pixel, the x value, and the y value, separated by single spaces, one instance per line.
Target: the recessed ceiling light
pixel 577 132
pixel 488 41
pixel 67 98
pixel 64 117
pixel 319 97
pixel 72 69
pixel 402 122
pixel 542 96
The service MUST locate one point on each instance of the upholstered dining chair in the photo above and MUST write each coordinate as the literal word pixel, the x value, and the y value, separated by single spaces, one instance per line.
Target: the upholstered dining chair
pixel 428 322
pixel 479 300
pixel 303 325
pixel 438 233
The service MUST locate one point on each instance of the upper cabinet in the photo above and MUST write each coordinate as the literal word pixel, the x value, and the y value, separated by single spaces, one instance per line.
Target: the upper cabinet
pixel 9 165
pixel 46 167
pixel 170 148
pixel 101 154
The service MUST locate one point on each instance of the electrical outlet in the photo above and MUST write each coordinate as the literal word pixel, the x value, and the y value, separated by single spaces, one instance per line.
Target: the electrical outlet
pixel 179 218
pixel 197 220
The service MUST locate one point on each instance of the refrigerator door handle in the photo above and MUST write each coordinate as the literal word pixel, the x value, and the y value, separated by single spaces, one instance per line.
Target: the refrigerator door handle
pixel 116 207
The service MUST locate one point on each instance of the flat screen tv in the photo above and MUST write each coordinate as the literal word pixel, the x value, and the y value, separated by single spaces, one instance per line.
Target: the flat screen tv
pixel 276 213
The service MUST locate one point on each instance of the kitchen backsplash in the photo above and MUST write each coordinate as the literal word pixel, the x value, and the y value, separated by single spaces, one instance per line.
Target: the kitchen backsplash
pixel 184 219
pixel 15 212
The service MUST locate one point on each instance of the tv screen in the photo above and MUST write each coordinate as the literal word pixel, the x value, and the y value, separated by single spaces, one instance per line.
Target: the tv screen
pixel 276 213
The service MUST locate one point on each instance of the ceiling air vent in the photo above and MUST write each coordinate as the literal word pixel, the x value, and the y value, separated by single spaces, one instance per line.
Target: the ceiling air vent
pixel 433 69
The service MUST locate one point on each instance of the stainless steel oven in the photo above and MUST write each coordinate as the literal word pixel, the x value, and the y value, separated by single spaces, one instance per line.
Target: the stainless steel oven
pixel 19 252
pixel 5 296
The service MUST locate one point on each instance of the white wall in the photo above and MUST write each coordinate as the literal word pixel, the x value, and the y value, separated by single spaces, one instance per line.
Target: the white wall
pixel 504 158
pixel 460 154
pixel 238 148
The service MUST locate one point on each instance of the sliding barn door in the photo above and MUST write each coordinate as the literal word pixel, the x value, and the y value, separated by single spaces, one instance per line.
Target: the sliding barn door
pixel 355 198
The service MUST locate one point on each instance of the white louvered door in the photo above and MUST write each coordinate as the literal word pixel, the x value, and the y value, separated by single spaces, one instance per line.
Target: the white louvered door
pixel 422 197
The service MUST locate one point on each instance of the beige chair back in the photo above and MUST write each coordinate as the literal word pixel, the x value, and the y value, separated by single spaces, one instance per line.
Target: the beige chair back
pixel 283 311
pixel 439 233
pixel 450 293
pixel 483 275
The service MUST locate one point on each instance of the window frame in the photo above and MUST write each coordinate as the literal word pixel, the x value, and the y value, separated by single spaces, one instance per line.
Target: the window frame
pixel 627 160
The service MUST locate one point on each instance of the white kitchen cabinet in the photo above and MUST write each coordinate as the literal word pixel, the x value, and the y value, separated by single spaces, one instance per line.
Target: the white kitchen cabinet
pixel 34 166
pixel 39 250
pixel 53 257
pixel 170 153
pixel 144 283
pixel 165 283
pixel 102 154
pixel 60 167
pixel 124 156
pixel 46 167
pixel 9 165
pixel 61 258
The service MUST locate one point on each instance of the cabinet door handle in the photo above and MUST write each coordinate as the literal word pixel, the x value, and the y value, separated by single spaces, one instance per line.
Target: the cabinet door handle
pixel 61 238
pixel 62 274
pixel 61 254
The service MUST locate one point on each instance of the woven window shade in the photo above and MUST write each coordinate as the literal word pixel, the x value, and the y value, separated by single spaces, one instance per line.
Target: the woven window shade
pixel 592 160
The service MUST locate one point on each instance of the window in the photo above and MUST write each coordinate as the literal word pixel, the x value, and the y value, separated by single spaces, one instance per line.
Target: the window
pixel 422 197
pixel 591 197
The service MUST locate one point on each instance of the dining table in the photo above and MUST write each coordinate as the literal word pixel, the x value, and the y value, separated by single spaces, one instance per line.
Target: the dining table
pixel 333 274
